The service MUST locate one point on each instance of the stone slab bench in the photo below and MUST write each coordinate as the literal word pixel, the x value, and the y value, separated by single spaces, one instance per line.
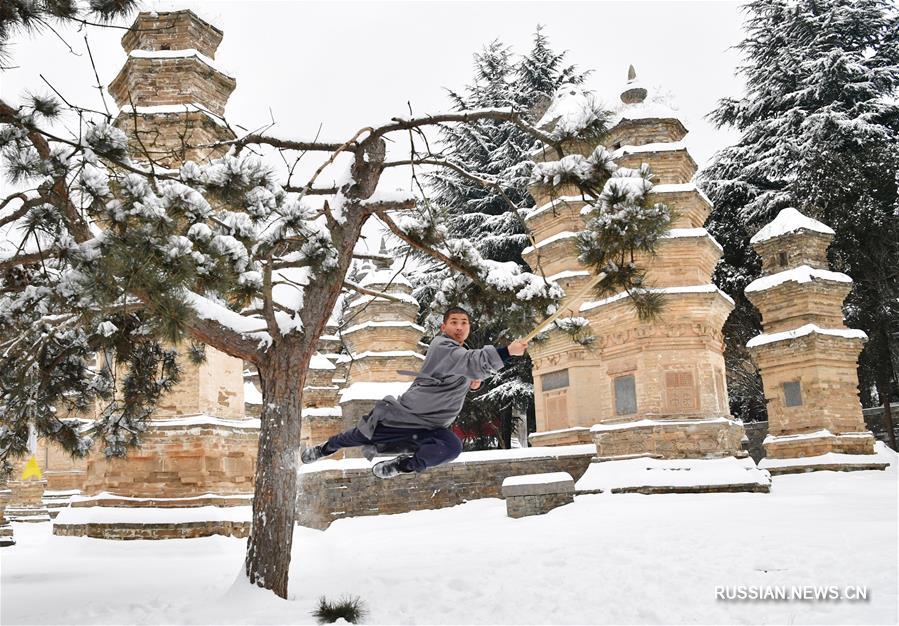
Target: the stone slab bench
pixel 535 494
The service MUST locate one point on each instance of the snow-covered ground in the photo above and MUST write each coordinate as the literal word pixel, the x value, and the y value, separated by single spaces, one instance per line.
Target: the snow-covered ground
pixel 638 559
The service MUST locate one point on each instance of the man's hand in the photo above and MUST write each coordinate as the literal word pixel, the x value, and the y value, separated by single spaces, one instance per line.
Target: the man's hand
pixel 475 384
pixel 518 347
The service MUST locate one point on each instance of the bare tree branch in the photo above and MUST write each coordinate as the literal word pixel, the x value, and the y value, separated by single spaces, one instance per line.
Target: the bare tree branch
pixel 268 311
pixel 377 206
pixel 319 191
pixel 97 76
pixel 467 117
pixel 286 144
pixel 399 232
pixel 29 258
pixel 370 292
pixel 27 204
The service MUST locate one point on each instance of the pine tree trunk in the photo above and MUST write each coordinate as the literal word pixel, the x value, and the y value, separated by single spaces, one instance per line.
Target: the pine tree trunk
pixel 274 503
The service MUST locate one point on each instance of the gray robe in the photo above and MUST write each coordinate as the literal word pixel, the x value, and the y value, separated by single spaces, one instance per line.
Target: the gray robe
pixel 438 391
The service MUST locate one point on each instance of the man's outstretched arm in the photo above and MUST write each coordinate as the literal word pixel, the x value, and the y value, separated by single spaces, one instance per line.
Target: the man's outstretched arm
pixel 516 348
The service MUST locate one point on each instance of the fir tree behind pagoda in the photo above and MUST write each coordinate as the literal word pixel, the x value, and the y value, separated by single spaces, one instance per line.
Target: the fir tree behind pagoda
pixel 820 130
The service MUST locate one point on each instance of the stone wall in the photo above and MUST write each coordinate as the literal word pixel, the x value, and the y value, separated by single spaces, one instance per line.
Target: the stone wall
pixel 214 387
pixel 177 460
pixel 669 439
pixel 524 506
pixel 126 531
pixel 333 490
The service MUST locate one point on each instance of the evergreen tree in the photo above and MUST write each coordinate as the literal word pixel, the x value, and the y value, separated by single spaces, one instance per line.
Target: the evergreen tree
pixel 491 216
pixel 819 123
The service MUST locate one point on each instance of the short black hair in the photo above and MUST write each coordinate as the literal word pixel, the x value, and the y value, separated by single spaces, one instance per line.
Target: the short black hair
pixel 456 309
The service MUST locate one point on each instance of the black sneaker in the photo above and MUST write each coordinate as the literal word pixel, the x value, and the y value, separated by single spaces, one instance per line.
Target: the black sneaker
pixel 391 467
pixel 313 454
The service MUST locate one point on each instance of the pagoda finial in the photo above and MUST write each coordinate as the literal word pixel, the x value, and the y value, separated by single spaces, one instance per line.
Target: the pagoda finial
pixel 633 93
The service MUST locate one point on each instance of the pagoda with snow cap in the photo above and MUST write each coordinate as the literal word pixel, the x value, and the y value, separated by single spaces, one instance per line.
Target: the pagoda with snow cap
pixel 199 449
pixel 806 355
pixel 382 339
pixel 170 93
pixel 642 389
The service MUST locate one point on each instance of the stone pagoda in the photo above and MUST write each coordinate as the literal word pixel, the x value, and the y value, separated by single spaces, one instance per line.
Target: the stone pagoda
pixel 383 342
pixel 200 448
pixel 806 355
pixel 642 389
pixel 170 93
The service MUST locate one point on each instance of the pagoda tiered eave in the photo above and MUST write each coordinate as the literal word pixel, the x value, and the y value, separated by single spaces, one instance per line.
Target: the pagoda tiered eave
pixel 556 203
pixel 177 54
pixel 174 109
pixel 801 274
pixel 662 146
pixel 802 331
pixel 692 289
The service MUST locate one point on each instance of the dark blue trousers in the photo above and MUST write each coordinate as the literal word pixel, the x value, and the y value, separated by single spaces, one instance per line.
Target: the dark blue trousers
pixel 430 447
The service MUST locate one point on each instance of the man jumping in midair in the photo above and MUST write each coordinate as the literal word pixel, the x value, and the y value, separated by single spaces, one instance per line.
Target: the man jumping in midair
pixel 418 420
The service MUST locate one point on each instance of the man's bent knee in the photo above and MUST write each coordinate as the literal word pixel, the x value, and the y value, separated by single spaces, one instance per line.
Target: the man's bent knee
pixel 453 445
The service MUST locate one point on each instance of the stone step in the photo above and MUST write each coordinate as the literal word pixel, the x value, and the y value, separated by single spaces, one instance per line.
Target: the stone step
pixel 27 514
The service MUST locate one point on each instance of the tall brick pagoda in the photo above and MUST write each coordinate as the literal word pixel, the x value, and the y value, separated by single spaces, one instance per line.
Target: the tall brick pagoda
pixel 199 452
pixel 806 355
pixel 642 389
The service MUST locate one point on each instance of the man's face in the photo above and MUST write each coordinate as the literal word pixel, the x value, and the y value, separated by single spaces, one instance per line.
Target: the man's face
pixel 457 327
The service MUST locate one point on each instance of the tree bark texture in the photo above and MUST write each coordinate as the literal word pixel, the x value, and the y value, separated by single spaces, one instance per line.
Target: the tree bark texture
pixel 274 504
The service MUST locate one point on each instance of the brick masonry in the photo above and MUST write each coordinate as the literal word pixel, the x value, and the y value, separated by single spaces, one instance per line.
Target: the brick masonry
pixel 182 530
pixel 174 30
pixel 533 494
pixel 181 460
pixel 331 494
pixel 6 532
pixel 524 506
pixel 673 441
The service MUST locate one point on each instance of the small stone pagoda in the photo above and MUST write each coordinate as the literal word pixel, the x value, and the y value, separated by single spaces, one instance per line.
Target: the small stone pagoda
pixel 383 342
pixel 200 448
pixel 642 389
pixel 806 355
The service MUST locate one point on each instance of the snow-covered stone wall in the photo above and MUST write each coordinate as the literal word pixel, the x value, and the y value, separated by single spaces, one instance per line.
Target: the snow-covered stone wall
pixel 331 490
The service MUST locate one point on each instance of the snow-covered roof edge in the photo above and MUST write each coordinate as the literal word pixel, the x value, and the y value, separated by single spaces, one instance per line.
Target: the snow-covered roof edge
pixel 789 220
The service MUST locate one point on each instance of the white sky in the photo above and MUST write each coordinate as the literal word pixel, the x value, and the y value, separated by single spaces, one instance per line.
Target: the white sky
pixel 346 65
